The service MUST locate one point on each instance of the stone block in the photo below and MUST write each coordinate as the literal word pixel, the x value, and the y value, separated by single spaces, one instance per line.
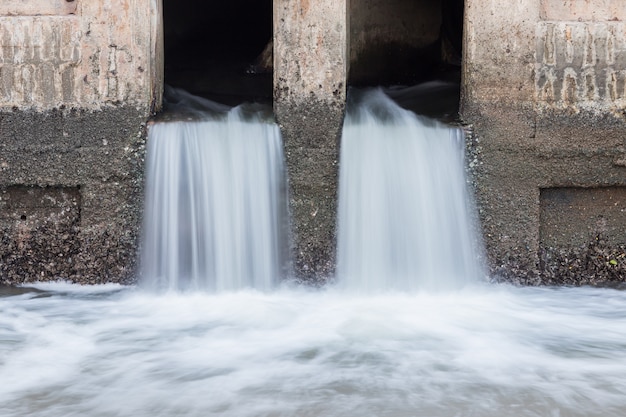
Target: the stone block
pixel 38 7
pixel 571 217
pixel 583 10
pixel 581 65
pixel 33 205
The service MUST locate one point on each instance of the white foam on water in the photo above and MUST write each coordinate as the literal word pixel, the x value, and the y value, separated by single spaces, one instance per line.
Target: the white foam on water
pixel 489 352
pixel 405 218
pixel 215 207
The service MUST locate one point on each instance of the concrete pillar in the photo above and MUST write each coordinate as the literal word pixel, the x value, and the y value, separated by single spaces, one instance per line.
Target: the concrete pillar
pixel 310 67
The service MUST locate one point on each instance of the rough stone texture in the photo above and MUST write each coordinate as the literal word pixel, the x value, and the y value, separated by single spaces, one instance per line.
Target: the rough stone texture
pixel 583 10
pixel 98 53
pixel 581 65
pixel 579 215
pixel 310 50
pixel 37 7
pixel 70 194
pixel 499 52
pixel 546 103
pixel 312 164
pixel 596 263
pixel 521 152
pixel 518 152
pixel 310 66
pixel 78 81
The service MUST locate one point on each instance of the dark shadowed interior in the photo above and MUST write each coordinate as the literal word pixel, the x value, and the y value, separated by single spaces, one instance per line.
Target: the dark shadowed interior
pixel 405 42
pixel 211 48
pixel 215 49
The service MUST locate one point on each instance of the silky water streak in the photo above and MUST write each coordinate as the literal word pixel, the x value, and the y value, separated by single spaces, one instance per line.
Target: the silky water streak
pixel 405 217
pixel 215 212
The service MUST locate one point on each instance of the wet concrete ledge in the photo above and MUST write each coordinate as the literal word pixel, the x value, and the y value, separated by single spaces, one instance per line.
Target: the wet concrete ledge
pixel 71 186
pixel 543 180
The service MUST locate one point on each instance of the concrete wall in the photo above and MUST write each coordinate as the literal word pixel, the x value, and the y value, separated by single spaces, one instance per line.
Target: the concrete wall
pixel 544 88
pixel 310 71
pixel 77 54
pixel 78 80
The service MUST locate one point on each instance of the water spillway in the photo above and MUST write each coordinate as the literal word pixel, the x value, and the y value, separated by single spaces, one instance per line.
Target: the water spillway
pixel 215 210
pixel 405 218
pixel 215 220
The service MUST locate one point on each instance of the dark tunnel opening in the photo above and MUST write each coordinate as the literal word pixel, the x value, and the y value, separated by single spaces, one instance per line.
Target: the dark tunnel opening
pixel 223 51
pixel 405 41
pixel 409 43
pixel 212 49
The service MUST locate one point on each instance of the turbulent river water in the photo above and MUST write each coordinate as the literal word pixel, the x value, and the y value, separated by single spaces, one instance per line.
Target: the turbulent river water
pixel 482 351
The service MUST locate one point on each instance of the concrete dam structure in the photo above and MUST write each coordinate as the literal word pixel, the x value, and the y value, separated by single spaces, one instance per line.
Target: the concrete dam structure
pixel 542 97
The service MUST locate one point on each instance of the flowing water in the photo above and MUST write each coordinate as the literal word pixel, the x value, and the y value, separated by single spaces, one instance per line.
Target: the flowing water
pixel 405 215
pixel 408 330
pixel 483 351
pixel 215 208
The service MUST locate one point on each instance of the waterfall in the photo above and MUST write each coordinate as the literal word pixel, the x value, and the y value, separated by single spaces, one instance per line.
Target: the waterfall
pixel 215 207
pixel 405 217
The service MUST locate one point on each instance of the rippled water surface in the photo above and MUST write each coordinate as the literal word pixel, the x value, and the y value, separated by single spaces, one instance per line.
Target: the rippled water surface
pixel 487 351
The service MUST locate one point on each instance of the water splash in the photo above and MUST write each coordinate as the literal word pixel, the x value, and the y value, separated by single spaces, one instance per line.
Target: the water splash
pixel 405 215
pixel 215 207
pixel 489 352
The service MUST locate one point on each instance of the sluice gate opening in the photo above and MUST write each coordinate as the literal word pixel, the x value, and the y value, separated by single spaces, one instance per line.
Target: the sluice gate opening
pixel 408 42
pixel 219 50
pixel 224 51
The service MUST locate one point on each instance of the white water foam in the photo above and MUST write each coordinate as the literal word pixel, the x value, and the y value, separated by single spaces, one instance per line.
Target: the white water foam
pixel 215 207
pixel 488 352
pixel 405 216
